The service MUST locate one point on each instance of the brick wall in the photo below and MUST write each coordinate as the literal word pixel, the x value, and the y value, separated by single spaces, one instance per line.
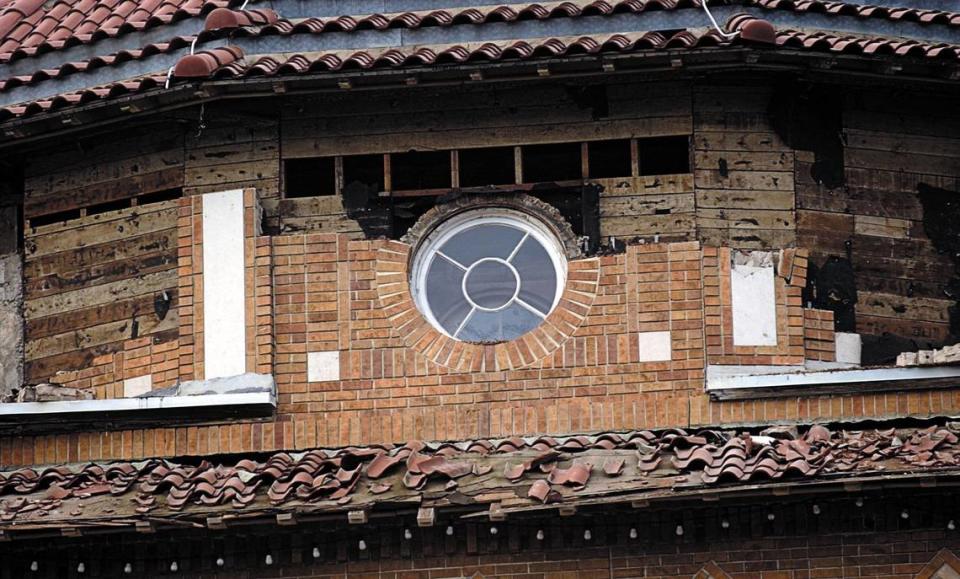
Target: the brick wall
pixel 789 281
pixel 819 342
pixel 139 357
pixel 334 294
pixel 258 306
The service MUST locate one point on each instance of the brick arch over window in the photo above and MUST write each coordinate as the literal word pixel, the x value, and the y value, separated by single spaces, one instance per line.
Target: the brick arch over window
pixel 944 565
pixel 397 302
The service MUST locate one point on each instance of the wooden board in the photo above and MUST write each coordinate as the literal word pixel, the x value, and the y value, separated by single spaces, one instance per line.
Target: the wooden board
pixel 95 295
pixel 320 143
pixel 169 178
pixel 87 317
pixel 100 229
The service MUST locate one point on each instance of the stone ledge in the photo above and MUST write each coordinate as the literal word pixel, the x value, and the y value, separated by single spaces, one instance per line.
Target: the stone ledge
pixel 243 396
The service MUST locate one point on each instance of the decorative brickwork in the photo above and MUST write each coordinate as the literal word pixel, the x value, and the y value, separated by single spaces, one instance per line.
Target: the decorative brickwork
pixel 711 571
pixel 190 287
pixel 257 279
pixel 326 299
pixel 945 565
pixel 791 272
pixel 397 304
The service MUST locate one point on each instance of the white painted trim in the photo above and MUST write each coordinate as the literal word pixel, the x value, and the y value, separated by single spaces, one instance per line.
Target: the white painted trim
pixel 137 404
pixel 727 381
pixel 754 296
pixel 655 347
pixel 224 287
pixel 323 366
pixel 847 347
pixel 133 387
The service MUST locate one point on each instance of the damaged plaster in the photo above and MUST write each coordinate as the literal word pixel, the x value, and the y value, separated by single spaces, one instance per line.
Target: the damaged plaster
pixel 11 303
pixel 240 384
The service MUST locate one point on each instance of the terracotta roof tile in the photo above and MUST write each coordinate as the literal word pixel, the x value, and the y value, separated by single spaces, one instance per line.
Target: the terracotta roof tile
pixel 534 471
pixel 226 18
pixel 923 16
pixel 204 64
pixel 27 26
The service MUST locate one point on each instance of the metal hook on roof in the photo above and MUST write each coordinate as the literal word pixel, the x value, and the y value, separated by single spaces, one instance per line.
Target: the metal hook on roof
pixel 193 43
pixel 169 76
pixel 720 31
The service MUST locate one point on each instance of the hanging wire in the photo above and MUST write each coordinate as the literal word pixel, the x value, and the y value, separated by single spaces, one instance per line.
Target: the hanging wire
pixel 720 31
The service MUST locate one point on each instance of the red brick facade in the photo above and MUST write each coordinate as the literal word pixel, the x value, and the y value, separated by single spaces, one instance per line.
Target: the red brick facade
pixel 327 295
pixel 401 380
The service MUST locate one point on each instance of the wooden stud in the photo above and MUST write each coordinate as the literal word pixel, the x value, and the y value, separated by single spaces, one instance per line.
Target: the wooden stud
pixel 387 177
pixel 567 510
pixel 286 519
pixel 357 517
pixel 70 532
pixel 585 160
pixel 634 158
pixel 518 164
pixel 338 175
pixel 455 168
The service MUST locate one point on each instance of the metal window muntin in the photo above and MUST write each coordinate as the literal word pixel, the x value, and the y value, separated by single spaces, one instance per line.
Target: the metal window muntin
pixel 428 250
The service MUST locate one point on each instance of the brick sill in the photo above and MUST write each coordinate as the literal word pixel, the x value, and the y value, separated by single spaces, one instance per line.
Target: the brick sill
pixel 125 412
pixel 810 382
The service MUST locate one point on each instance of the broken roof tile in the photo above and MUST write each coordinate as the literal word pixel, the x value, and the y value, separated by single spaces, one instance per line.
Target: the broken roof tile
pixel 363 477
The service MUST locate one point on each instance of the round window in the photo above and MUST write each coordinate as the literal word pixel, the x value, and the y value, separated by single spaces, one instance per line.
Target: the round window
pixel 488 275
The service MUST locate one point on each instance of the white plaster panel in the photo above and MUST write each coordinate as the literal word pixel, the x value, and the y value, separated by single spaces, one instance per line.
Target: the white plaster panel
pixel 655 347
pixel 224 343
pixel 323 366
pixel 754 305
pixel 848 347
pixel 136 386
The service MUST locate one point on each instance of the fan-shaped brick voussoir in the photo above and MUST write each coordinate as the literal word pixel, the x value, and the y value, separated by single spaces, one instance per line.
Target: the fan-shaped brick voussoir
pixel 396 301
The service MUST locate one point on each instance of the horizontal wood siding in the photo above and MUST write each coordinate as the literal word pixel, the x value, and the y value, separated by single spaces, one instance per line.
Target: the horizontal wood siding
pixel 91 281
pixel 892 147
pixel 743 170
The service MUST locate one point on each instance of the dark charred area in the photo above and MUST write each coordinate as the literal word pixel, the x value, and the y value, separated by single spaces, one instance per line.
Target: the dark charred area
pixel 810 118
pixel 374 214
pixel 941 223
pixel 832 286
